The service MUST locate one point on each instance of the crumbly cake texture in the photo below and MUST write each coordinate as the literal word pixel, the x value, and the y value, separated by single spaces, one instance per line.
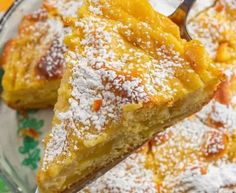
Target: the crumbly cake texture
pixel 34 61
pixel 128 75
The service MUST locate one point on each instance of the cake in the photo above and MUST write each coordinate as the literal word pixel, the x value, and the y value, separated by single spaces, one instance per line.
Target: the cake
pixel 128 76
pixel 197 154
pixel 215 28
pixel 33 61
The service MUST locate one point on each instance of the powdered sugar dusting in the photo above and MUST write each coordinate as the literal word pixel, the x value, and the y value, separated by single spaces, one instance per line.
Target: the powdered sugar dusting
pixel 220 113
pixel 192 156
pixel 66 8
pixel 192 181
pixel 176 151
pixel 211 27
pixel 198 155
pixel 52 64
pixel 58 143
pixel 130 176
pixel 44 34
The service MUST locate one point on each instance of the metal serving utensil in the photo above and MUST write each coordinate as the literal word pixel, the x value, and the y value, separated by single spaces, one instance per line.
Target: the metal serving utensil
pixel 180 18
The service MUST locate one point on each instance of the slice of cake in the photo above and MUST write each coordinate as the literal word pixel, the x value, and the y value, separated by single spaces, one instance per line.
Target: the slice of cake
pixel 34 62
pixel 128 76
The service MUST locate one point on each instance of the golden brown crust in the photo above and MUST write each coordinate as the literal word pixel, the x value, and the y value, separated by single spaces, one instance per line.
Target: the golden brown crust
pixel 4 57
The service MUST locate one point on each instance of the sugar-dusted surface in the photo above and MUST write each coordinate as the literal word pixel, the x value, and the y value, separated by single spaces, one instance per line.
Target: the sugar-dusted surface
pixel 37 33
pixel 181 162
pixel 65 8
pixel 50 32
pixel 52 64
pixel 215 28
pixel 197 154
pixel 217 177
pixel 130 176
pixel 230 3
pixel 34 60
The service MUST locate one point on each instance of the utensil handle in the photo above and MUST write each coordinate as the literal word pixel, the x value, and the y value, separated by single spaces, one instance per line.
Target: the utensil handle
pixel 186 5
pixel 180 16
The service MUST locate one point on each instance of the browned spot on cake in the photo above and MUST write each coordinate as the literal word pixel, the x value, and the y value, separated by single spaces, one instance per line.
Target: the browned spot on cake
pixel 51 65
